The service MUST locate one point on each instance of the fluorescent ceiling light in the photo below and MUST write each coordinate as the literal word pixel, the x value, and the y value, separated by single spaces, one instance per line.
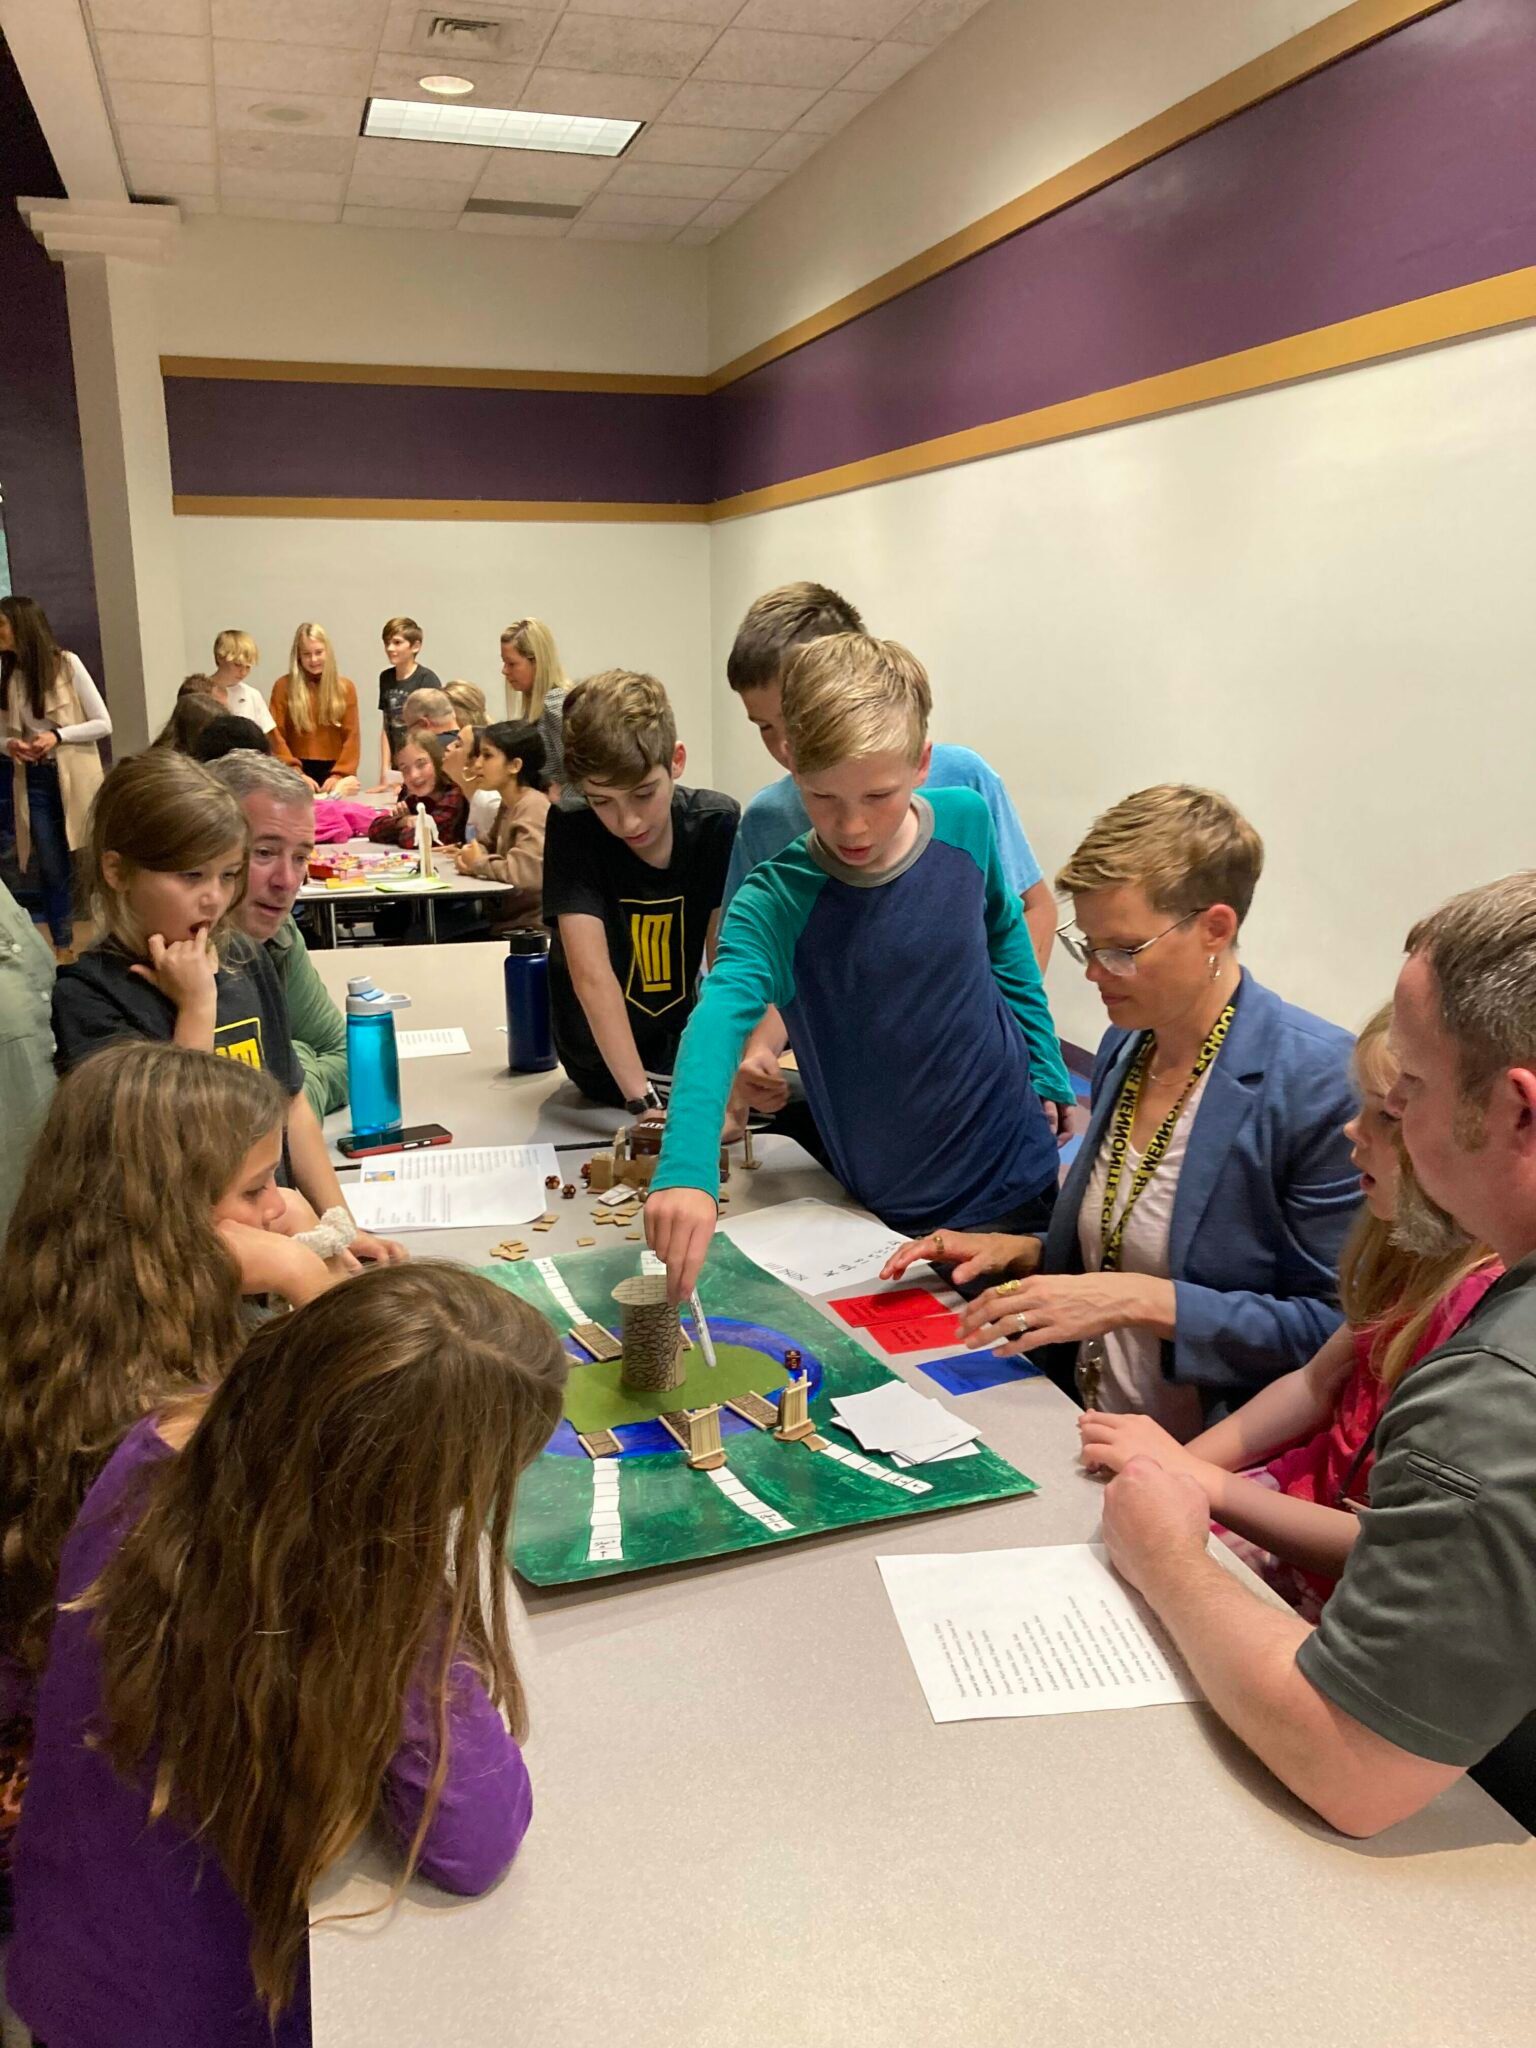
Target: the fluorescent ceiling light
pixel 498 128
pixel 446 83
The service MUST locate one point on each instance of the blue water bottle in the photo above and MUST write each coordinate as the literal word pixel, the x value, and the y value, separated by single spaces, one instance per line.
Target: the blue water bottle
pixel 373 1059
pixel 530 1047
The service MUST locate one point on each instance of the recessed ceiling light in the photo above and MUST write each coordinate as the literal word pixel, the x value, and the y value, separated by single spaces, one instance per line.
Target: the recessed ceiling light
pixel 445 83
pixel 498 128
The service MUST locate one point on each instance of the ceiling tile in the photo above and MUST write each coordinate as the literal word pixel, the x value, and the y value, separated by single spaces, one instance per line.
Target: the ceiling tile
pixel 716 12
pixel 641 208
pixel 664 144
pixel 167 17
pixel 425 195
pixel 148 175
pixel 760 57
pixel 496 85
pixel 694 237
pixel 278 209
pixel 394 217
pixel 834 110
pixel 319 187
pixel 707 104
pixel 607 97
pixel 242 107
pixel 525 32
pixel 825 17
pixel 641 49
pixel 585 230
pixel 885 63
pixel 170 145
pixel 721 213
pixel 675 181
pixel 161 60
pixel 292 152
pixel 935 19
pixel 529 227
pixel 344 24
pixel 453 162
pixel 542 174
pixel 789 152
pixel 272 66
pixel 750 186
pixel 176 106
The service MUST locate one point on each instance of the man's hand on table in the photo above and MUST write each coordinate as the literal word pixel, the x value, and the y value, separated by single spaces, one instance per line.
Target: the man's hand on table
pixel 1155 1522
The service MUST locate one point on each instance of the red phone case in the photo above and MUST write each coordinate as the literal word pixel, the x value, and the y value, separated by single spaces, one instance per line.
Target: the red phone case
pixel 400 1141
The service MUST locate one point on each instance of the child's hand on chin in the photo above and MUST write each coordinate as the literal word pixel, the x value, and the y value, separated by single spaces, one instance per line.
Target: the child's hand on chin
pixel 184 970
pixel 273 1264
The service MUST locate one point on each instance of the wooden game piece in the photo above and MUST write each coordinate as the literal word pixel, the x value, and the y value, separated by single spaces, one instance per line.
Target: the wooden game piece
pixel 551 1180
pixel 652 1350
pixel 601 1443
pixel 601 1343
pixel 749 1158
pixel 754 1409
pixel 675 1423
pixel 568 1192
pixel 705 1451
pixel 599 1174
pixel 586 1171
pixel 793 1362
pixel 583 1242
pixel 634 1237
pixel 814 1442
pixel 794 1415
pixel 543 1226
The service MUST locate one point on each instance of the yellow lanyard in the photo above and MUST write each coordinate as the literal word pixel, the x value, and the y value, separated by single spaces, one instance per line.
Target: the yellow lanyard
pixel 1112 1237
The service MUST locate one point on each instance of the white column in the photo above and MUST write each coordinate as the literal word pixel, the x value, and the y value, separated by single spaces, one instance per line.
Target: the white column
pixel 109 251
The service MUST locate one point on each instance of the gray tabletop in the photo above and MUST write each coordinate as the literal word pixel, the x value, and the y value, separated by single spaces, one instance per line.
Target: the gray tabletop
pixel 748 1828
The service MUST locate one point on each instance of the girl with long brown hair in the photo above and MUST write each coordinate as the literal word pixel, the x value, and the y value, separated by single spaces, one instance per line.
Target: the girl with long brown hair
pixel 54 720
pixel 1286 1476
pixel 314 714
pixel 297 1632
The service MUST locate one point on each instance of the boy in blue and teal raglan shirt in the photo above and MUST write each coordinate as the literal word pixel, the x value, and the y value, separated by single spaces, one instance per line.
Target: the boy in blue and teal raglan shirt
pixel 888 938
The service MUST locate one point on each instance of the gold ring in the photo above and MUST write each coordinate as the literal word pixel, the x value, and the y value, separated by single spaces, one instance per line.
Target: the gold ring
pixel 1008 1286
pixel 938 1244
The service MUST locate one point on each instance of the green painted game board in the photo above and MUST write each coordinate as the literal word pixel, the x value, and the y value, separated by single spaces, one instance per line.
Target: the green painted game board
pixel 579 1518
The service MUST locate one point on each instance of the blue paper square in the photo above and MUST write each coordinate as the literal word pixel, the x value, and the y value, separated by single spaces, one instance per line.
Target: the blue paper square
pixel 968 1372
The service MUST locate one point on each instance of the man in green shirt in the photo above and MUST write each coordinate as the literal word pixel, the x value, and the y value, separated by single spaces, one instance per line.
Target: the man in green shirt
pixel 280 811
pixel 26 1043
pixel 1423 1665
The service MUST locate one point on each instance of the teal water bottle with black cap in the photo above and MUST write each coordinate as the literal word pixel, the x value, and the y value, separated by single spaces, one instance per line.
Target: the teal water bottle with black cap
pixel 373 1058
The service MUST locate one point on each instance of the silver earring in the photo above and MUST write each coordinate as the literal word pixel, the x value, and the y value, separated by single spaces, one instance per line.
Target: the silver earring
pixel 1214 968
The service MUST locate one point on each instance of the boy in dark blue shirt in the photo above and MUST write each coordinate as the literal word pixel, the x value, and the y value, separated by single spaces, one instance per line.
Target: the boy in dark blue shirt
pixel 897 953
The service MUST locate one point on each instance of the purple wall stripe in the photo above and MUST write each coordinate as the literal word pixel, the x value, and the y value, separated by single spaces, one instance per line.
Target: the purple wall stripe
pixel 1406 170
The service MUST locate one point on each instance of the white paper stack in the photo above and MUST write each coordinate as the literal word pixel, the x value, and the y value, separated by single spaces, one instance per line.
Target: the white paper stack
pixel 904 1424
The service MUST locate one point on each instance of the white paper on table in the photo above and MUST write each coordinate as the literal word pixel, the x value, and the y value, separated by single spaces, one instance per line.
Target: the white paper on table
pixel 998 1633
pixel 939 1457
pixel 895 1417
pixel 431 1045
pixel 813 1246
pixel 462 1162
pixel 453 1188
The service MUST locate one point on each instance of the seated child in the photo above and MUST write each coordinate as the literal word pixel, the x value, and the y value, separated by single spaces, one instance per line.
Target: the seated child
pixel 509 764
pixel 195 710
pixel 632 890
pixel 405 673
pixel 235 654
pixel 423 780
pixel 229 734
pixel 1289 1472
pixel 277 1624
pixel 890 941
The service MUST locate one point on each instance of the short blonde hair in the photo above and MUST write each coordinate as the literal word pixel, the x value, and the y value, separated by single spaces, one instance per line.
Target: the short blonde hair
pixel 468 701
pixel 1187 848
pixel 233 645
pixel 535 642
pixel 618 727
pixel 848 695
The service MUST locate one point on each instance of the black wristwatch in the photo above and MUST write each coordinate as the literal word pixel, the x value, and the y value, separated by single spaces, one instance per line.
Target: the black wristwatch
pixel 641 1103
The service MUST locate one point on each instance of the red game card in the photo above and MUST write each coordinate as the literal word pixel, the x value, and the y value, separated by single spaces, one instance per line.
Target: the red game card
pixel 902 1304
pixel 922 1333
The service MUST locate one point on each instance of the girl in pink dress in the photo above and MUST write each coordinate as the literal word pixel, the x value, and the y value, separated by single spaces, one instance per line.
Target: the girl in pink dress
pixel 1288 1474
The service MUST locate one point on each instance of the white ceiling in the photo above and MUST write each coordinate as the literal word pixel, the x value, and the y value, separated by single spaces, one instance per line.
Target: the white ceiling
pixel 736 94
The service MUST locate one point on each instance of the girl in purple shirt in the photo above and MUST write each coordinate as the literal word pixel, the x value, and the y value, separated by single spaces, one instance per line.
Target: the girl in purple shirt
pixel 267 1637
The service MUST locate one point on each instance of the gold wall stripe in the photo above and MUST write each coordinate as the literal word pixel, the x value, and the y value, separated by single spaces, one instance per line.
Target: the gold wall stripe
pixel 1336 36
pixel 1455 315
pixel 557 511
pixel 249 370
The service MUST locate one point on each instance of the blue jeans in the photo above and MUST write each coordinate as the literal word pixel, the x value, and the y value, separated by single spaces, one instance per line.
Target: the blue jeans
pixel 50 849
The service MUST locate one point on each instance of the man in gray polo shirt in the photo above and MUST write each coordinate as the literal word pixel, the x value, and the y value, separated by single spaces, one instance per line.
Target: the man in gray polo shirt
pixel 1424 1664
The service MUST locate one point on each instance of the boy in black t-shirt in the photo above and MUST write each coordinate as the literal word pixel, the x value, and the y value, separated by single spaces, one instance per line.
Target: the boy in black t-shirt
pixel 632 890
pixel 402 650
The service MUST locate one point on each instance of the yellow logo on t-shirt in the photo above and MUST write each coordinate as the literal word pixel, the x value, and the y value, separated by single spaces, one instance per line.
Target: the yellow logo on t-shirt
pixel 240 1040
pixel 655 982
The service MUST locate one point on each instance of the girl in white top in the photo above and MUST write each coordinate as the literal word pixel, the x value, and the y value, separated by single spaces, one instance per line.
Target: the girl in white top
pixel 54 718
pixel 235 654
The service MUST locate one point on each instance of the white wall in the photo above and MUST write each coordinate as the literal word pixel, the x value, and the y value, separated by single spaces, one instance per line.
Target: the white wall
pixel 1317 600
pixel 631 595
pixel 1025 89
pixel 287 291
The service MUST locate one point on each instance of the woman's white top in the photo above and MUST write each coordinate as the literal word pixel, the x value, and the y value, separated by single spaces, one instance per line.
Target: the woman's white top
pixel 1132 1381
pixel 244 700
pixel 95 725
pixel 483 806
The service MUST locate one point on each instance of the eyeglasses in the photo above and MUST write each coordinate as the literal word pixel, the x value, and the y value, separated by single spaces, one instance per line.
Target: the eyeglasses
pixel 1118 960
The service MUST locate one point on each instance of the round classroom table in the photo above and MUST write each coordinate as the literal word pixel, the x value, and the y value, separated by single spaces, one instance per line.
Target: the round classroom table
pixel 748 1829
